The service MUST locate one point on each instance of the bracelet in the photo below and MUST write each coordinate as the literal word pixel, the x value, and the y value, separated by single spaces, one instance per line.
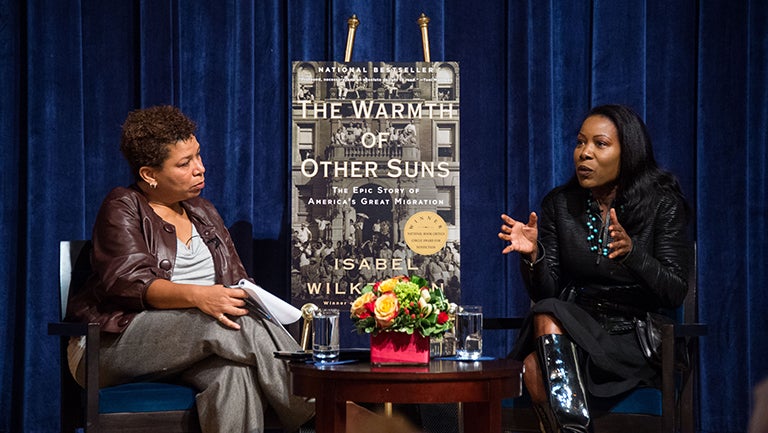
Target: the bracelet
pixel 539 257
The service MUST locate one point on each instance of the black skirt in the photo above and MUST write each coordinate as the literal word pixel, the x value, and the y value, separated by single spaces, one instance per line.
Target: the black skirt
pixel 612 362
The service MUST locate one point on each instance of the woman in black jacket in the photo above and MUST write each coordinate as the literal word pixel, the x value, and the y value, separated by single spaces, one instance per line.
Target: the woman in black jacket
pixel 609 246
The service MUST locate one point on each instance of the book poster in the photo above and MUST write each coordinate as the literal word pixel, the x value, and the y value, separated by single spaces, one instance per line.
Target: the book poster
pixel 375 177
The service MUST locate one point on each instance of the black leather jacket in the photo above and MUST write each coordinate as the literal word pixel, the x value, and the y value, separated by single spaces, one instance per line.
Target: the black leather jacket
pixel 657 265
pixel 132 247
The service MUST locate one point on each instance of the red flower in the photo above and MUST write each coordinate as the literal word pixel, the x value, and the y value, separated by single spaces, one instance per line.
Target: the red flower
pixel 442 317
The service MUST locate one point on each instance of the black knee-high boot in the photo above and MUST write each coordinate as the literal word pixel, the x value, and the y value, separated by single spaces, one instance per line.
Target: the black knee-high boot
pixel 563 382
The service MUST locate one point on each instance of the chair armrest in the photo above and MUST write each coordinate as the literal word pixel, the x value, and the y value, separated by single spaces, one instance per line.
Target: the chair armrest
pixel 92 333
pixel 503 322
pixel 681 329
pixel 690 329
pixel 67 329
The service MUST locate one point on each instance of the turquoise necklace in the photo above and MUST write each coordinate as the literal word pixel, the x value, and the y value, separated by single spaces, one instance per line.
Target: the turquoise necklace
pixel 597 232
pixel 598 235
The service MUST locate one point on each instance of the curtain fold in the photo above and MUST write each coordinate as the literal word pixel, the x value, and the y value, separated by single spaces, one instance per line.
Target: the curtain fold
pixel 618 53
pixel 529 71
pixel 721 181
pixel 156 37
pixel 53 207
pixel 12 266
pixel 757 188
pixel 670 76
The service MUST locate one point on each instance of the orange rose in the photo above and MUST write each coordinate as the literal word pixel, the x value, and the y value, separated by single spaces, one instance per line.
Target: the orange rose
pixel 386 309
pixel 359 306
pixel 388 286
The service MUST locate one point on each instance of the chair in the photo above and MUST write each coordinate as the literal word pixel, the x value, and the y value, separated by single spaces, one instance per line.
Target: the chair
pixel 132 407
pixel 671 409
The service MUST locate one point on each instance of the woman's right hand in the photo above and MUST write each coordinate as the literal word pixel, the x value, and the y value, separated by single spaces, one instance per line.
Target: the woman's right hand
pixel 521 237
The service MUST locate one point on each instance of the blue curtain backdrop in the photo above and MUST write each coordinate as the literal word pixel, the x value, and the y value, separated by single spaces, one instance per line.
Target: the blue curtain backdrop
pixel 696 71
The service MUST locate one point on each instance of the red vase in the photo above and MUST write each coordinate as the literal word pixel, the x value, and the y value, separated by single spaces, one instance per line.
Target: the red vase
pixel 399 348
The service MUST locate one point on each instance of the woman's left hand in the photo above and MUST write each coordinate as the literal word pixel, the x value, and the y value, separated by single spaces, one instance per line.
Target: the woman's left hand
pixel 622 243
pixel 222 303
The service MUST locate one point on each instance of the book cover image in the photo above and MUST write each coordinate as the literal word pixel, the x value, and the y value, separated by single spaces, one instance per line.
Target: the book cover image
pixel 375 177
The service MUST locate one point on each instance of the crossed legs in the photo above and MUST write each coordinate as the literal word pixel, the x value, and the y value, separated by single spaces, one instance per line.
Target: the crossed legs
pixel 553 379
pixel 234 370
pixel 543 324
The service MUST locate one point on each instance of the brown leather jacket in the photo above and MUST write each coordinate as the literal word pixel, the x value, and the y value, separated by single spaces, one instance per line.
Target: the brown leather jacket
pixel 132 247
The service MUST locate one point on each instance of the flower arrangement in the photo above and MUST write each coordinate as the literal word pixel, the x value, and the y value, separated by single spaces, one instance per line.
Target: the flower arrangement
pixel 402 304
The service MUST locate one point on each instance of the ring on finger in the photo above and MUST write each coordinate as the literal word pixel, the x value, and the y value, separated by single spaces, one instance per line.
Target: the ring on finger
pixel 220 317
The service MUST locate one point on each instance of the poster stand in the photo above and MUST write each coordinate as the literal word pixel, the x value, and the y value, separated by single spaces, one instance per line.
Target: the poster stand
pixel 309 309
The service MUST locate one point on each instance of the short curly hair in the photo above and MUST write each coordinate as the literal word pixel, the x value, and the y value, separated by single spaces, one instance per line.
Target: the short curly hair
pixel 147 133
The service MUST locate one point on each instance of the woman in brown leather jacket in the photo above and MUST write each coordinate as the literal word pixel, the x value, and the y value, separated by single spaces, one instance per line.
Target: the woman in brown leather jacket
pixel 163 260
pixel 609 246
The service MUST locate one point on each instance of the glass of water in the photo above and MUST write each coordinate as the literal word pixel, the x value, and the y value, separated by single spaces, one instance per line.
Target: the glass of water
pixel 325 335
pixel 469 332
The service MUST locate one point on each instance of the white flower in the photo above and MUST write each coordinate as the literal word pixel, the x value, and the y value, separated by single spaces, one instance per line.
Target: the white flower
pixel 425 307
pixel 425 294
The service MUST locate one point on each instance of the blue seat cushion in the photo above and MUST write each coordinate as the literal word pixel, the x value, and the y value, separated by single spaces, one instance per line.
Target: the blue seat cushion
pixel 517 403
pixel 146 397
pixel 642 400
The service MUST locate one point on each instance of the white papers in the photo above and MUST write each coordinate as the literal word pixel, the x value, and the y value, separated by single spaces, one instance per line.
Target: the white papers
pixel 272 306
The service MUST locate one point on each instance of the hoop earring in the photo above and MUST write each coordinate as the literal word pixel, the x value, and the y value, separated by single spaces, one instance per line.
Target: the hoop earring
pixel 153 185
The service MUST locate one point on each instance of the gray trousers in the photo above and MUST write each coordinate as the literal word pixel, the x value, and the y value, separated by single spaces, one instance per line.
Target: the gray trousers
pixel 235 371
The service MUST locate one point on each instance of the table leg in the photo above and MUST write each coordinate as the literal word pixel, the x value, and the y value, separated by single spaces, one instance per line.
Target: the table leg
pixel 485 416
pixel 330 415
pixel 477 418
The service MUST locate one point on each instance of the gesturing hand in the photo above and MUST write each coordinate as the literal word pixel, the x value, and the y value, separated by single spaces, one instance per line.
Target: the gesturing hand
pixel 221 302
pixel 521 237
pixel 622 243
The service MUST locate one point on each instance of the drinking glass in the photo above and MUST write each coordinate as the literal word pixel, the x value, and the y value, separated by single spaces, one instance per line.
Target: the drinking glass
pixel 469 332
pixel 325 335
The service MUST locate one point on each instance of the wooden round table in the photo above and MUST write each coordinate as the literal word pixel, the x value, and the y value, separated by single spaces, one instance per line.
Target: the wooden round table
pixel 479 386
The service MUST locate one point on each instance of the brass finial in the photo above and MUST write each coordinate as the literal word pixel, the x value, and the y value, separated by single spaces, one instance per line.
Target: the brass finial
pixel 352 24
pixel 423 23
pixel 307 312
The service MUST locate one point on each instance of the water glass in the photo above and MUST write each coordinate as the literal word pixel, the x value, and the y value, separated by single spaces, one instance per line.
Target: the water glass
pixel 325 335
pixel 469 332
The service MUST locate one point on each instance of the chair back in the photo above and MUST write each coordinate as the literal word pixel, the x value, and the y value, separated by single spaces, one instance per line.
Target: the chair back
pixel 74 269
